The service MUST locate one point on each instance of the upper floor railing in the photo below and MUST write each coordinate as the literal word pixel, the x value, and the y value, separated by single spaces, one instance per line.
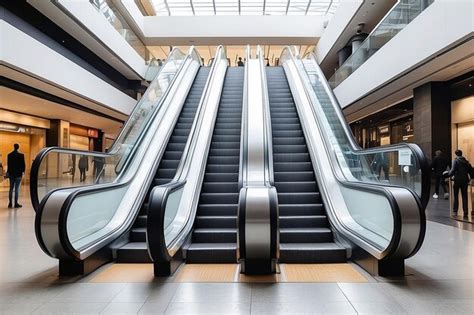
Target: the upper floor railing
pixel 396 20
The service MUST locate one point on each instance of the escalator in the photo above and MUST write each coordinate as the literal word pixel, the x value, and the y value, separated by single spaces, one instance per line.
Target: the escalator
pixel 305 235
pixel 136 250
pixel 215 228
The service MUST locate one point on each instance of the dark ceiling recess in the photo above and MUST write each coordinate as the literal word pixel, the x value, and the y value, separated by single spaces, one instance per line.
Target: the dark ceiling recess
pixel 398 111
pixel 462 86
pixel 29 19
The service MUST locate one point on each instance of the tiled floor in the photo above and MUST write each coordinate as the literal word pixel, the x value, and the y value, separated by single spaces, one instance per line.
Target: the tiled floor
pixel 440 280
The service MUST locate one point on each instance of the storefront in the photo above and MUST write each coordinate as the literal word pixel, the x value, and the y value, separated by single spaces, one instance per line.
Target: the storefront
pixel 462 135
pixel 28 131
pixel 34 133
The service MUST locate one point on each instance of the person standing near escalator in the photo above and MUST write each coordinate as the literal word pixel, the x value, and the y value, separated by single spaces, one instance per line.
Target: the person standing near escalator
pixel 16 169
pixel 438 166
pixel 461 172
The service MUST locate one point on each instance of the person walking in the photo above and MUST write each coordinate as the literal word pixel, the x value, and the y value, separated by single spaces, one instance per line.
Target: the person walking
pixel 16 169
pixel 381 161
pixel 439 166
pixel 460 171
pixel 240 63
pixel 83 167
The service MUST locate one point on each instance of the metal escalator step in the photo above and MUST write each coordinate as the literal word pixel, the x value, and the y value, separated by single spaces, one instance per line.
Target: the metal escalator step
pixel 294 176
pixel 172 155
pixel 221 177
pixel 292 167
pixel 134 252
pixel 217 209
pixel 175 146
pixel 138 234
pixel 166 172
pixel 289 148
pixel 230 198
pixel 285 127
pixel 300 209
pixel 229 145
pixel 225 131
pixel 140 222
pixel 299 221
pixel 287 133
pixel 220 187
pixel 224 152
pixel 299 198
pixel 216 168
pixel 305 235
pixel 225 138
pixel 296 187
pixel 224 160
pixel 288 141
pixel 226 222
pixel 214 235
pixel 169 163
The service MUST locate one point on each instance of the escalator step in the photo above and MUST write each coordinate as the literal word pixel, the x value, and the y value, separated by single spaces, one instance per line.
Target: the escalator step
pixel 220 187
pixel 294 176
pixel 305 235
pixel 299 198
pixel 214 235
pixel 221 177
pixel 301 221
pixel 296 187
pixel 292 167
pixel 295 157
pixel 226 222
pixel 218 209
pixel 229 198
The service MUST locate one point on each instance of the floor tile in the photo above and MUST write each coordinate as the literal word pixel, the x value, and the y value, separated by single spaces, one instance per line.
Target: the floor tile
pixel 378 307
pixel 212 292
pixel 162 293
pixel 297 292
pixel 122 308
pixel 18 309
pixel 90 292
pixel 308 307
pixel 208 308
pixel 70 308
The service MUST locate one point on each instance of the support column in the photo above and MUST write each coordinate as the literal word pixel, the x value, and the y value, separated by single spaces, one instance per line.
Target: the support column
pixel 432 118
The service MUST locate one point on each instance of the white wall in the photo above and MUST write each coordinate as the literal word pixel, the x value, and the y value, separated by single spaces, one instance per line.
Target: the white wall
pixel 344 14
pixel 28 58
pixel 237 30
pixel 440 26
pixel 96 33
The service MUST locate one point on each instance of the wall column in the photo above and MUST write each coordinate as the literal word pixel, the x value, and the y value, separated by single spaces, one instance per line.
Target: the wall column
pixel 432 118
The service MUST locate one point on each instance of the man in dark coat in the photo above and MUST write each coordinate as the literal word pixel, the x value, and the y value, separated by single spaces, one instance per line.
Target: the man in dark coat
pixel 439 166
pixel 16 169
pixel 461 171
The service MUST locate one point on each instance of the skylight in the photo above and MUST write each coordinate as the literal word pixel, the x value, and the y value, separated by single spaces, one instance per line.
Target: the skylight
pixel 244 7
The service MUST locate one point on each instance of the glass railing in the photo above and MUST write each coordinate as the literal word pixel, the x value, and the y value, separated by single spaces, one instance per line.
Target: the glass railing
pixel 399 17
pixel 117 20
pixel 153 68
pixel 56 168
pixel 396 165
pixel 376 188
pixel 172 206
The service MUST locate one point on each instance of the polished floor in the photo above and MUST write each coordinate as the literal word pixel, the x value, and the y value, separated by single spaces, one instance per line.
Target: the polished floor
pixel 440 280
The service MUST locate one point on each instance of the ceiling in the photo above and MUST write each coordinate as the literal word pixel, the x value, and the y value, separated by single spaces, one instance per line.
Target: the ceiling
pixel 243 7
pixel 35 106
